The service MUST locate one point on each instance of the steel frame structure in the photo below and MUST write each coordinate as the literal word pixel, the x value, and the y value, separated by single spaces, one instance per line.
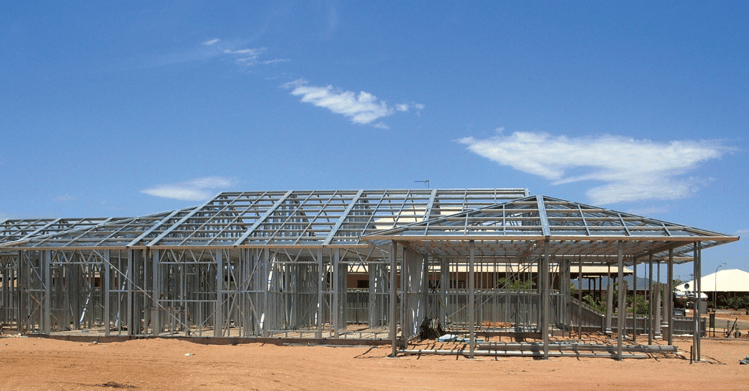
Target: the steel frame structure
pixel 275 264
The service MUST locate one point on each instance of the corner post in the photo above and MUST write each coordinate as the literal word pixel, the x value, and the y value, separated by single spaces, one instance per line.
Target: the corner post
pixel 634 300
pixel 471 299
pixel 622 311
pixel 393 299
pixel 335 309
pixel 218 318
pixel 156 277
pixel 651 297
pixel 697 298
pixel 609 300
pixel 544 275
pixel 670 297
pixel 105 284
pixel 47 309
pixel 321 285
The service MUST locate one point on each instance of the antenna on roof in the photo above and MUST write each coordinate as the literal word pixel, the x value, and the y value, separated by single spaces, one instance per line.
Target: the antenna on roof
pixel 425 181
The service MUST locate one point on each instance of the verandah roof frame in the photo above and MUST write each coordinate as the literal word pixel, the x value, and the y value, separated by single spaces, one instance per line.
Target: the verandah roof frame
pixel 572 229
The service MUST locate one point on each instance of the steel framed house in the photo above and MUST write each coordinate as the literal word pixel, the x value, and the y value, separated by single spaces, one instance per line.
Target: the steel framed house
pixel 274 265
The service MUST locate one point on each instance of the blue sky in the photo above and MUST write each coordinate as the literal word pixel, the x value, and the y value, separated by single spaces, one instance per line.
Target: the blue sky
pixel 128 108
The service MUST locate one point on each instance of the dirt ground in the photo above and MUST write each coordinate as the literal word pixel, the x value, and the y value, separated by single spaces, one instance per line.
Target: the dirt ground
pixel 169 364
pixel 732 314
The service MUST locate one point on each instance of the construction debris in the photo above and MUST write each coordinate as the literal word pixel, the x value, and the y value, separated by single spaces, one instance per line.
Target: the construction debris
pixel 431 329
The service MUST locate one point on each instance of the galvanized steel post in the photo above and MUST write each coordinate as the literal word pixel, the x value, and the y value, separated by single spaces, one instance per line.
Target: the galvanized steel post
pixel 670 297
pixel 545 313
pixel 622 311
pixel 471 299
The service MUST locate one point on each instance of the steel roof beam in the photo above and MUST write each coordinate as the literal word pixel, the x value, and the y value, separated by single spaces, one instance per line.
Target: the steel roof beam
pixel 262 218
pixel 313 220
pixel 187 217
pixel 343 217
pixel 430 204
pixel 211 217
pixel 542 216
pixel 41 228
pixel 153 228
pixel 238 216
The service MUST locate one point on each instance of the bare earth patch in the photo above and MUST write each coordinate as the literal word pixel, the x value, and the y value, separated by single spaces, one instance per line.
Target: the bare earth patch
pixel 168 364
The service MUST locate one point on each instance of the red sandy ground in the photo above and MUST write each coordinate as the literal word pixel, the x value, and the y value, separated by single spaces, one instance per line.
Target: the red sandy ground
pixel 162 364
pixel 724 316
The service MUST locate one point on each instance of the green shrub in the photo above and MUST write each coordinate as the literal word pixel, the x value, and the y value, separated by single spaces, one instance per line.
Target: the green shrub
pixel 599 306
pixel 640 306
pixel 515 284
pixel 736 303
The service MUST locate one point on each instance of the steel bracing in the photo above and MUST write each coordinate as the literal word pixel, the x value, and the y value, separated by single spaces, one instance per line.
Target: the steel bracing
pixel 339 265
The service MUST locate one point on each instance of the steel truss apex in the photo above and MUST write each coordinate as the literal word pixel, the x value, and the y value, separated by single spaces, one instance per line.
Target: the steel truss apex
pixel 275 219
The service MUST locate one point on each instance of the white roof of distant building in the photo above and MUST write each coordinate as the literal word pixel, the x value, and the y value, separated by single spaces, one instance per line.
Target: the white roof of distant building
pixel 730 280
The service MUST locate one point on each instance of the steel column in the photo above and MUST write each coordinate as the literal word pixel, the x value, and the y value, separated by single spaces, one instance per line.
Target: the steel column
pixel 444 284
pixel 471 299
pixel 19 290
pixel 651 297
pixel 580 297
pixel 622 311
pixel 697 265
pixel 335 302
pixel 545 296
pixel 634 300
pixel 105 283
pixel 609 300
pixel 156 293
pixel 218 315
pixel 425 285
pixel 393 299
pixel 660 320
pixel 670 297
pixel 404 294
pixel 130 309
pixel 47 307
pixel 658 311
pixel 320 292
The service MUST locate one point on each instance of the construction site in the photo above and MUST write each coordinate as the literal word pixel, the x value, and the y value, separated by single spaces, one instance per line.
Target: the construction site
pixel 499 270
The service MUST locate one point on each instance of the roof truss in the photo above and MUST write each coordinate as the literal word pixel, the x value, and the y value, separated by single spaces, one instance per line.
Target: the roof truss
pixel 262 219
pixel 573 229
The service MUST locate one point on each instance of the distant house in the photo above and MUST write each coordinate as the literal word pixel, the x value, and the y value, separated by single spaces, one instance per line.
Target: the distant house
pixel 719 286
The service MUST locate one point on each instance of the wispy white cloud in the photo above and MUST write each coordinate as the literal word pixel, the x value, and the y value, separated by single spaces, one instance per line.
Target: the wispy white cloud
pixel 274 61
pixel 64 198
pixel 198 189
pixel 361 108
pixel 408 106
pixel 631 169
pixel 216 49
pixel 742 232
pixel 253 52
pixel 332 16
pixel 246 57
pixel 251 57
